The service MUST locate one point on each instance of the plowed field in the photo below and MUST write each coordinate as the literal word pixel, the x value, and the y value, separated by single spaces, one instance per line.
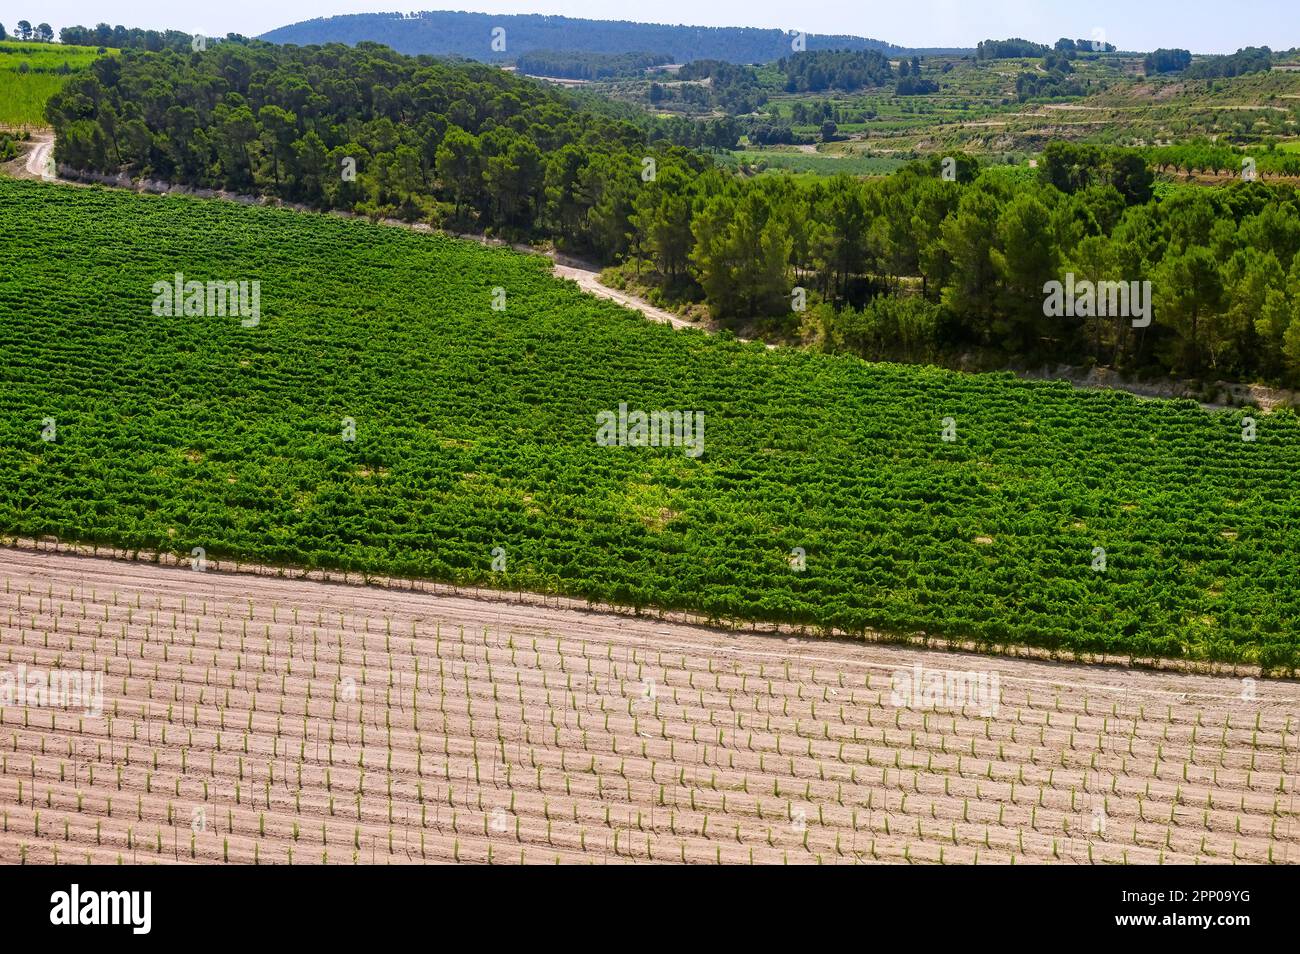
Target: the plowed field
pixel 252 719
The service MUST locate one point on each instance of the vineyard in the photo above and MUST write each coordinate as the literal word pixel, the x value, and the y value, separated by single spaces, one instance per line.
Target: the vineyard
pixel 254 720
pixel 30 73
pixel 831 494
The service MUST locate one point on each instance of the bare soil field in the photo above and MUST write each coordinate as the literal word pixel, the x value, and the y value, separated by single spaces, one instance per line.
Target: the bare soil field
pixel 249 719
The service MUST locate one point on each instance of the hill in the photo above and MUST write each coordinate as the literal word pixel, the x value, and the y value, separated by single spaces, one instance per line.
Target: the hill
pixel 470 35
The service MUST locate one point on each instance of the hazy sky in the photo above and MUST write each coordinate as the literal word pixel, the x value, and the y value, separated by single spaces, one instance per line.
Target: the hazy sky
pixel 1198 25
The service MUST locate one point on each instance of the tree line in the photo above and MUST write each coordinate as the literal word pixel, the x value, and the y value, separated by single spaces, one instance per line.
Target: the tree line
pixel 1251 59
pixel 23 30
pixel 1017 48
pixel 1014 48
pixel 938 260
pixel 845 70
pixel 733 89
pixel 1201 155
pixel 739 89
pixel 1167 61
pixel 1065 45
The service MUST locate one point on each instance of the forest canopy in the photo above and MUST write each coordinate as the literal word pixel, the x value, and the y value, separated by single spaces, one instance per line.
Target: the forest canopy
pixel 469 34
pixel 587 66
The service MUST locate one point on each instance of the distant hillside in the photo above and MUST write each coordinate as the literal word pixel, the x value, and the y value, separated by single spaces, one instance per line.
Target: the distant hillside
pixel 471 35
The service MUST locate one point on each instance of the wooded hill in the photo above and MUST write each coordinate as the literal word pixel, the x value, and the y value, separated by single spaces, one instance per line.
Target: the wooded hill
pixel 470 35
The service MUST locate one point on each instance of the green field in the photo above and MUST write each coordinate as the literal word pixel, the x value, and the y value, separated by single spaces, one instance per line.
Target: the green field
pixel 23 92
pixel 828 164
pixel 475 429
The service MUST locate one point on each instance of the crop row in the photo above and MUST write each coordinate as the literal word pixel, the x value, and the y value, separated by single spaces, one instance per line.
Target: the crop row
pixel 339 726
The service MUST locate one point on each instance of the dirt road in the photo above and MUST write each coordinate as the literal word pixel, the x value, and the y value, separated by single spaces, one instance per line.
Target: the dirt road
pixel 40 161
pixel 589 281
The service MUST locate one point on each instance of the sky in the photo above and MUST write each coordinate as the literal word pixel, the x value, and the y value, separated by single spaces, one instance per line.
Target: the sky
pixel 1199 25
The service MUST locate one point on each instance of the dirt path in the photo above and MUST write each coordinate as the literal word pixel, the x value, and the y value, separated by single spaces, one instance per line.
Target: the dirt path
pixel 275 721
pixel 40 161
pixel 589 281
pixel 1104 379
